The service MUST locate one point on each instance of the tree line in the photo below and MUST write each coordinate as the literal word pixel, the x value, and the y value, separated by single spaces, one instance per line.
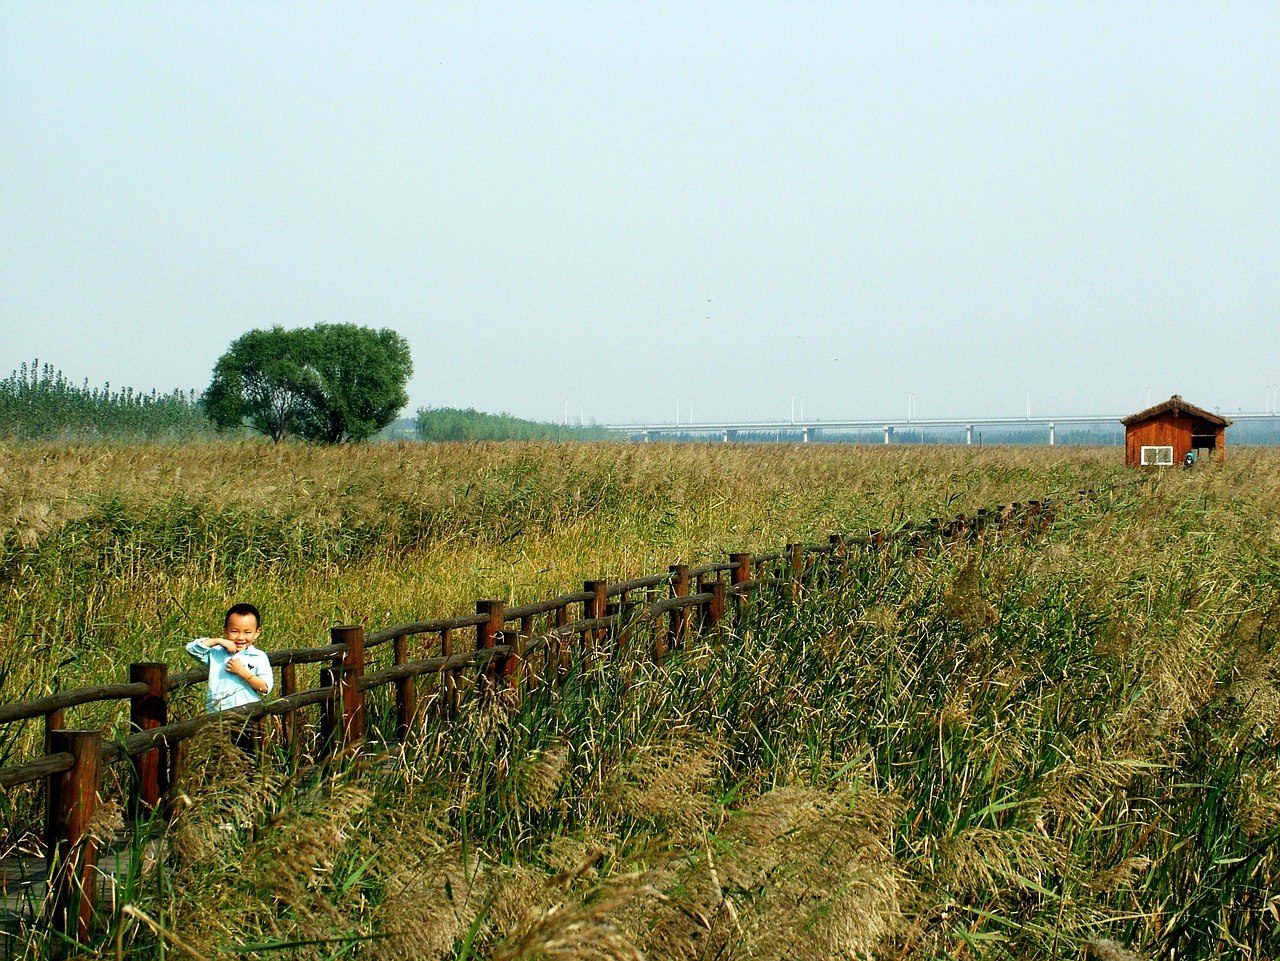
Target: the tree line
pixel 453 424
pixel 38 402
pixel 327 384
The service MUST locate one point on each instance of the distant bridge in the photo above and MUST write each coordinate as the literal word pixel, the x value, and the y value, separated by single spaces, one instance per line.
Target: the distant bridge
pixel 810 429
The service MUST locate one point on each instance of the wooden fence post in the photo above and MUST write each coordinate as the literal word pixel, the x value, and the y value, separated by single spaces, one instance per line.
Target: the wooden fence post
pixel 511 668
pixel 715 609
pixel 53 721
pixel 741 574
pixel 147 712
pixel 406 693
pixel 796 553
pixel 840 551
pixel 679 619
pixel 351 732
pixel 1033 516
pixel 594 607
pixel 73 855
pixel 178 756
pixel 487 637
pixel 701 610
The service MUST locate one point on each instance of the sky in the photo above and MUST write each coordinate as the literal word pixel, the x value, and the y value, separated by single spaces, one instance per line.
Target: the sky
pixel 625 212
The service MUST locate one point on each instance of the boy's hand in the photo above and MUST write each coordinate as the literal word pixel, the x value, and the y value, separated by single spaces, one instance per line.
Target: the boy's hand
pixel 226 644
pixel 241 670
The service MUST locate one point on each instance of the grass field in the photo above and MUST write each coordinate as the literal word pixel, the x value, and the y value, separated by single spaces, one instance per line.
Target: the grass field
pixel 114 554
pixel 1051 746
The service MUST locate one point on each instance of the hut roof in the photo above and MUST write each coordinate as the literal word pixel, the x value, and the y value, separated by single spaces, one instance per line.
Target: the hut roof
pixel 1176 405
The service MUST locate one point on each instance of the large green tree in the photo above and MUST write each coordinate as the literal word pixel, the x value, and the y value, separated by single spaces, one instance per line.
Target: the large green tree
pixel 330 383
pixel 358 381
pixel 261 382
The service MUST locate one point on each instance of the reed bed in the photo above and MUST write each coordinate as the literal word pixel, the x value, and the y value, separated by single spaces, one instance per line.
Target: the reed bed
pixel 1057 744
pixel 115 554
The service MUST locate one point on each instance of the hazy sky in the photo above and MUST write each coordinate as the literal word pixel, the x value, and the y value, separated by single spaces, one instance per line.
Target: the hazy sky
pixel 623 206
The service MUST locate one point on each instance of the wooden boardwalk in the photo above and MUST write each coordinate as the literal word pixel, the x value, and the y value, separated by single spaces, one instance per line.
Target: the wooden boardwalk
pixel 24 886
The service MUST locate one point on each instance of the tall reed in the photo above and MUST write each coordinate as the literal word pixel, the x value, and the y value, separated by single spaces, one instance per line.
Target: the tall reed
pixel 1037 745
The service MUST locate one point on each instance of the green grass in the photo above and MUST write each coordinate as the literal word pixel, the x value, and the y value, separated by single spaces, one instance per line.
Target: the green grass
pixel 1040 745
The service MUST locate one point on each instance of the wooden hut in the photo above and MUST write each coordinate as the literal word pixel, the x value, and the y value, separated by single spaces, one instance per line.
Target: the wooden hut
pixel 1161 436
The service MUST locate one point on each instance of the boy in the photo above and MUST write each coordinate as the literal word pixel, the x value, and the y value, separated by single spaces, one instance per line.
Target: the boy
pixel 239 673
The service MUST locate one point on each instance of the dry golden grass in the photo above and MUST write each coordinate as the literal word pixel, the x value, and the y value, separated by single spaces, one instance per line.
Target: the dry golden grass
pixel 110 554
pixel 1030 746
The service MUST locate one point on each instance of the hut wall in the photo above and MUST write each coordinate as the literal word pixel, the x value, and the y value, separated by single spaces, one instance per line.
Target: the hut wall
pixel 1171 430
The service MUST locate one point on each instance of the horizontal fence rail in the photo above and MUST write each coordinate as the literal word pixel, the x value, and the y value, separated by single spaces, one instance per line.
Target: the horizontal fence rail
pixel 477 655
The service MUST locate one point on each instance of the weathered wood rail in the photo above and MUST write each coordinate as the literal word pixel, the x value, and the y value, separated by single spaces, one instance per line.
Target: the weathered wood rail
pixel 510 650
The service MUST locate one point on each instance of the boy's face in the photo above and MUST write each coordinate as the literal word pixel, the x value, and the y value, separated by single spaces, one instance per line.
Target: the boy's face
pixel 241 630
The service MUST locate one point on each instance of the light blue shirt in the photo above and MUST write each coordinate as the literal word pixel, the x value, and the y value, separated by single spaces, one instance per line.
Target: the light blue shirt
pixel 227 690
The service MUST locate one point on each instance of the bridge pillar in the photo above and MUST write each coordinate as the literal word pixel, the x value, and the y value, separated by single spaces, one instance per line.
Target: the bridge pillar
pixel 729 435
pixel 888 433
pixel 968 434
pixel 807 434
pixel 1050 433
pixel 647 436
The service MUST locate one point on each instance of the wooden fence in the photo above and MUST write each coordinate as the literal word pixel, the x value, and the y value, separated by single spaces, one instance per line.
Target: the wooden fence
pixel 509 650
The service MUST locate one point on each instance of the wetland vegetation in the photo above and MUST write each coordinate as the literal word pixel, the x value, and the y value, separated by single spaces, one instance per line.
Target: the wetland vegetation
pixel 1061 744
